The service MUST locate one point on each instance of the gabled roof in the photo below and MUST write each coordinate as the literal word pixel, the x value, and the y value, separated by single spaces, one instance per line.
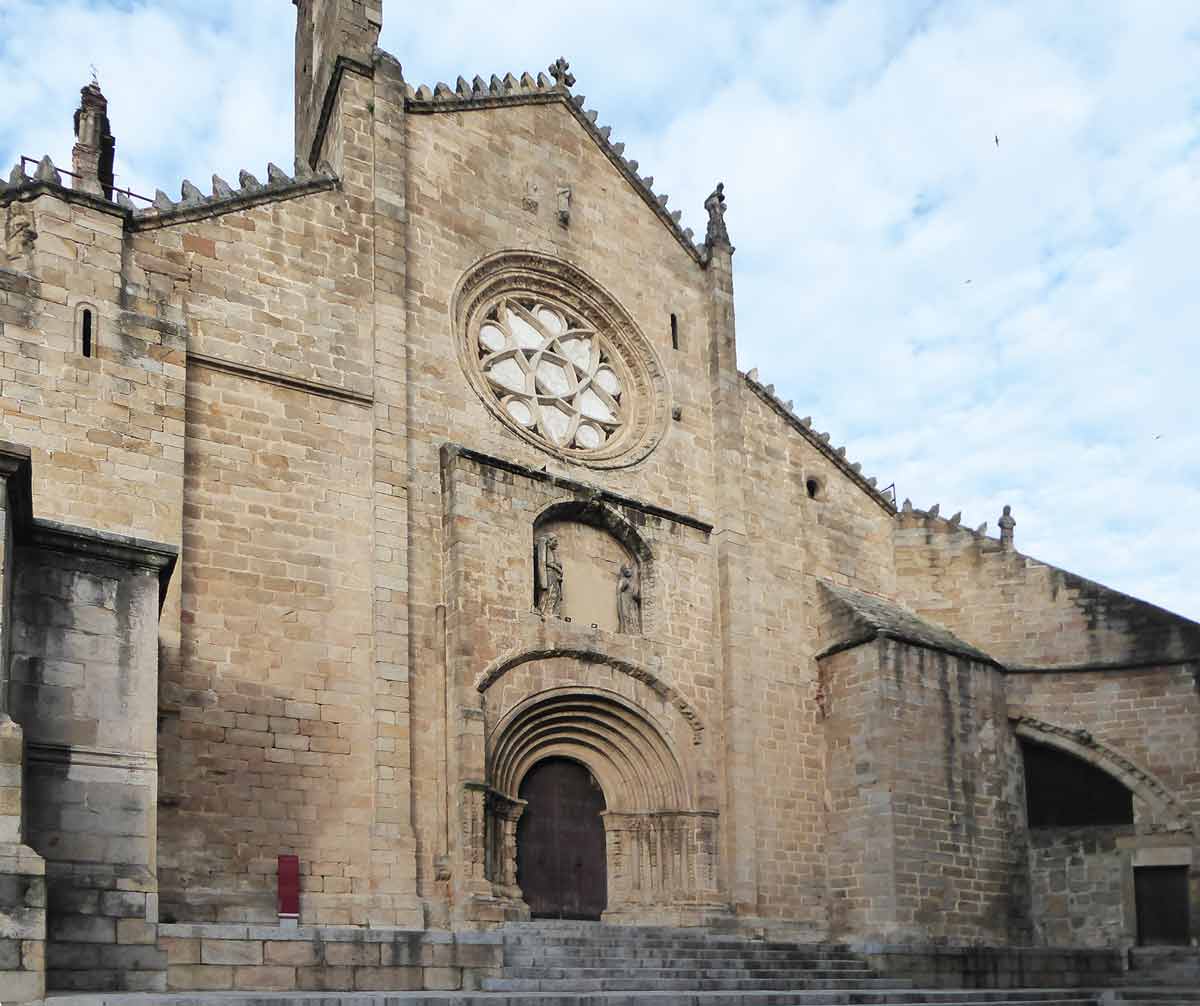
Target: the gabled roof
pixel 871 617
pixel 499 92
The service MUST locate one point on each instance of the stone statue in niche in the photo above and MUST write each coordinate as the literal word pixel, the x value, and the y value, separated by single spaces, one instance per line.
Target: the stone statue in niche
pixel 548 588
pixel 629 600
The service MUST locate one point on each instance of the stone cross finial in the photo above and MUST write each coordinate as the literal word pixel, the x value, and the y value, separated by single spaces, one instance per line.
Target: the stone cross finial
pixel 560 70
pixel 715 205
pixel 1007 524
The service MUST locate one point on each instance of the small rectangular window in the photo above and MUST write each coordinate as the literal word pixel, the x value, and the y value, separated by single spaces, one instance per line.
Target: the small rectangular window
pixel 674 332
pixel 86 332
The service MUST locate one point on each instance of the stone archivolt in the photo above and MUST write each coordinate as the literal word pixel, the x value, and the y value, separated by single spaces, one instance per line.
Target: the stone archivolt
pixel 558 360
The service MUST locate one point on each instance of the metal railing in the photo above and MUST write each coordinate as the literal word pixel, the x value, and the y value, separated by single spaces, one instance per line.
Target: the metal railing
pixel 71 174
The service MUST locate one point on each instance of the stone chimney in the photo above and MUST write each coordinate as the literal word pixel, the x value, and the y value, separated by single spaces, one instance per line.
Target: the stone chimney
pixel 92 158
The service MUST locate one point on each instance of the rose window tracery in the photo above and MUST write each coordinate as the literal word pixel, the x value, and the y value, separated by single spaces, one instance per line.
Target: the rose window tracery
pixel 552 373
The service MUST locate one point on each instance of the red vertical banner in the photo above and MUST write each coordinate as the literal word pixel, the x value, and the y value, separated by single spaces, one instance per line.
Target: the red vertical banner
pixel 289 887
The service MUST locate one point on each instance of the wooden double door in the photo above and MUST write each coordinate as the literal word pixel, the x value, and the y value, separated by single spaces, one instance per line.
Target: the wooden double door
pixel 561 866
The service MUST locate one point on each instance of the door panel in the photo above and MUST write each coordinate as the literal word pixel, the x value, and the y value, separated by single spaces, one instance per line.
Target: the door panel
pixel 1162 904
pixel 560 842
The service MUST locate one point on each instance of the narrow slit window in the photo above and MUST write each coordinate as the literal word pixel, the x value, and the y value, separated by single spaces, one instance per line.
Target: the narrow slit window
pixel 674 332
pixel 85 331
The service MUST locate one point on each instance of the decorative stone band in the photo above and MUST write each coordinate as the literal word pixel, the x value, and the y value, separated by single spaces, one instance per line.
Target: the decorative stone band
pixel 1082 744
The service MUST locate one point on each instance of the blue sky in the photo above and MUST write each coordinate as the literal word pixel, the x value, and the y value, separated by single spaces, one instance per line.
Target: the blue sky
pixel 981 324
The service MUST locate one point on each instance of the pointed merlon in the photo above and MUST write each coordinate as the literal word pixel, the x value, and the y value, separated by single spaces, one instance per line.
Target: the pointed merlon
pixel 578 101
pixel 124 201
pixel 303 171
pixel 872 482
pixel 461 87
pixel 688 232
pixel 527 82
pixel 543 82
pixel 424 94
pixel 982 529
pixel 676 215
pixel 789 405
pixel 17 176
pixel 856 467
pixel 494 85
pixel 442 92
pixel 248 182
pixel 823 437
pixel 478 86
pixel 409 92
pixel 510 82
pixel 591 115
pixel 770 389
pixel 935 509
pixel 956 519
pixel 162 201
pixel 662 200
pixel 841 452
pixel 47 172
pixel 648 181
pixel 605 132
pixel 907 508
pixel 618 149
pixel 276 175
pixel 632 165
pixel 753 374
pixel 189 194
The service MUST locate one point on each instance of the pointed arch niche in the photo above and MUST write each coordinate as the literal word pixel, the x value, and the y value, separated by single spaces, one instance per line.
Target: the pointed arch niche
pixel 642 749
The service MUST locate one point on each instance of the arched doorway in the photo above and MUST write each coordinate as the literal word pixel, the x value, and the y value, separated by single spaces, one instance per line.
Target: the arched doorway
pixel 560 842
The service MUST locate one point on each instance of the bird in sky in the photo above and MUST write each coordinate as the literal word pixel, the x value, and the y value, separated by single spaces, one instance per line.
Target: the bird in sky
pixel 997 139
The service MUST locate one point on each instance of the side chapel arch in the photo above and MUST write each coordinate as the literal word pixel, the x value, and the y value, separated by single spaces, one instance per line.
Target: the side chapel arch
pixel 1138 780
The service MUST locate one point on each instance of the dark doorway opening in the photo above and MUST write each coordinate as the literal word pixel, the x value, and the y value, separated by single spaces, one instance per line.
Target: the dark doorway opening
pixel 1161 893
pixel 1062 791
pixel 561 865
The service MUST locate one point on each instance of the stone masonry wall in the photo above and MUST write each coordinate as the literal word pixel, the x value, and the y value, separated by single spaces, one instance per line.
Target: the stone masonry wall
pixel 84 687
pixel 1078 879
pixel 265 742
pixel 793 540
pixel 919 761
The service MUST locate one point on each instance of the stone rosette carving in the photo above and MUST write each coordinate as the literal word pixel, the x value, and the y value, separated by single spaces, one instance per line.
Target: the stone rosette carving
pixel 558 360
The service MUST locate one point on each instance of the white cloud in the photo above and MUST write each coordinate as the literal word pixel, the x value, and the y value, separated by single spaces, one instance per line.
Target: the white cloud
pixel 865 190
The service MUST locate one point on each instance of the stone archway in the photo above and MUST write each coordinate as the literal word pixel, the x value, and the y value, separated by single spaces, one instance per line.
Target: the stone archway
pixel 660 852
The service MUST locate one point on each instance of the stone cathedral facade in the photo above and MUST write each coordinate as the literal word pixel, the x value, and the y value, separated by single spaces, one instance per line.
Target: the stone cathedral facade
pixel 406 516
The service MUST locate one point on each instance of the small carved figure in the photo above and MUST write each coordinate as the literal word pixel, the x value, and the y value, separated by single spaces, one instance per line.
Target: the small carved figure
pixel 629 601
pixel 549 573
pixel 19 233
pixel 1007 524
pixel 715 205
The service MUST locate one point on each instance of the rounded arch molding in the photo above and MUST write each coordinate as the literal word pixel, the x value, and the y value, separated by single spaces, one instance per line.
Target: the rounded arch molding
pixel 512 274
pixel 1081 744
pixel 625 751
pixel 668 693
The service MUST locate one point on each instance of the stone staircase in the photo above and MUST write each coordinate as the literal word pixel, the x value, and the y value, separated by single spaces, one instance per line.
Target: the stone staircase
pixel 1161 976
pixel 670 966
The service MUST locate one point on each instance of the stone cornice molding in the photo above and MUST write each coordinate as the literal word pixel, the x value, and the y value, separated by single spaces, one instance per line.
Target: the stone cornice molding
pixel 450 452
pixel 137 553
pixel 281 380
pixel 1081 743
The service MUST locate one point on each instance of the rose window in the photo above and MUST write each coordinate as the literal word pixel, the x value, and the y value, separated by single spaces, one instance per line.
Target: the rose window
pixel 552 373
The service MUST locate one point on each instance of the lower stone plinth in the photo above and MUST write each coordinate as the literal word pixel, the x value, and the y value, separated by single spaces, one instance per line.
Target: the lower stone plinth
pixel 326 958
pixel 995 967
